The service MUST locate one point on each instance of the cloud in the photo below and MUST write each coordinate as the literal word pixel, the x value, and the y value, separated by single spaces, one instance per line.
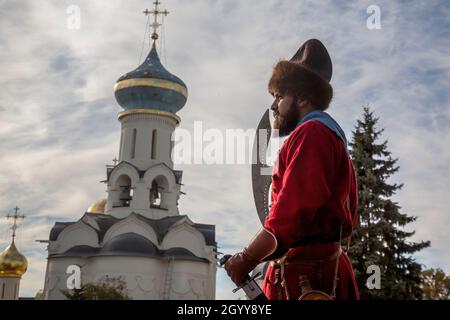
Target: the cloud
pixel 58 125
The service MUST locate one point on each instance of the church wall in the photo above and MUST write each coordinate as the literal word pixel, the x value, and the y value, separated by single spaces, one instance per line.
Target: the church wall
pixel 212 273
pixel 57 276
pixel 144 276
pixel 9 288
pixel 191 281
pixel 141 198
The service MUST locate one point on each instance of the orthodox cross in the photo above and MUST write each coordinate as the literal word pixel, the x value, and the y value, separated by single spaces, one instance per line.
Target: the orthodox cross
pixel 115 161
pixel 156 12
pixel 15 216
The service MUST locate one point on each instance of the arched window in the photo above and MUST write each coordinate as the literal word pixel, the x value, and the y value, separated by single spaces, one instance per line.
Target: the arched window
pixel 155 195
pixel 124 192
pixel 133 144
pixel 154 137
pixel 158 191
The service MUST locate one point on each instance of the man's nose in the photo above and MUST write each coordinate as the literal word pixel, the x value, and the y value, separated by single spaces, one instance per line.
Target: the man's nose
pixel 274 105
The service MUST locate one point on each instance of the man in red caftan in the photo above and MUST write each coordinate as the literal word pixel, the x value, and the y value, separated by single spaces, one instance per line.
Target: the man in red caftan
pixel 314 190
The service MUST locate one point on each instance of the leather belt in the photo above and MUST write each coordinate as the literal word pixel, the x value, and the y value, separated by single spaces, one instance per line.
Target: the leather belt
pixel 281 263
pixel 313 240
pixel 314 261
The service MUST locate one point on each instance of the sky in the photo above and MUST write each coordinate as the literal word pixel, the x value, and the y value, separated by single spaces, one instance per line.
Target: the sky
pixel 58 114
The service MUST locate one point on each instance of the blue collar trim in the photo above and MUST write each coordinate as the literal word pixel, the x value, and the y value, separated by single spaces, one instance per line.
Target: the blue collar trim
pixel 328 121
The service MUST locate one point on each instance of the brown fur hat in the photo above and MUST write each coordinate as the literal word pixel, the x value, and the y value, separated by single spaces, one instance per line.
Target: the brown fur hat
pixel 299 80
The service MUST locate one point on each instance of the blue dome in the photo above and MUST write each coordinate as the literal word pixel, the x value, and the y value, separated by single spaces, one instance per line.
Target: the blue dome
pixel 151 86
pixel 129 243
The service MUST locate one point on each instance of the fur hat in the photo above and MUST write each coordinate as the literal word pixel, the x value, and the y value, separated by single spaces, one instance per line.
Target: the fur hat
pixel 306 75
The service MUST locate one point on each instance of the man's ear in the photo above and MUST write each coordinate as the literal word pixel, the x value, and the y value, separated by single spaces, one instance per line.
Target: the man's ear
pixel 301 102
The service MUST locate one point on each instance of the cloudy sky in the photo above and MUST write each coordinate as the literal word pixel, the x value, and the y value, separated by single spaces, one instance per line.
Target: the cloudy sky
pixel 58 115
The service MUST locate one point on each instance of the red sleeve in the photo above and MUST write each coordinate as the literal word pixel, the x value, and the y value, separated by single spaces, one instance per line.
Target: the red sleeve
pixel 306 183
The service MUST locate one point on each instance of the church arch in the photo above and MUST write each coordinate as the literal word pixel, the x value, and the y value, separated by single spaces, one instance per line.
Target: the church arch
pixel 160 170
pixel 124 168
pixel 132 224
pixel 161 184
pixel 185 236
pixel 77 234
pixel 123 192
pixel 158 193
pixel 121 185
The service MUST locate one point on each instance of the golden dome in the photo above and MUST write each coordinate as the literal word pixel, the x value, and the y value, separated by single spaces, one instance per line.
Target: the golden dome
pixel 12 262
pixel 98 207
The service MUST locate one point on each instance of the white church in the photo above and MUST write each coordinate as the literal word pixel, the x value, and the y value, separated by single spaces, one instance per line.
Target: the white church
pixel 137 232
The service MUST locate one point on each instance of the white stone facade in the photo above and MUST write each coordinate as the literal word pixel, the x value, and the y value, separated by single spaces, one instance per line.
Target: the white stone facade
pixel 147 276
pixel 9 288
pixel 140 237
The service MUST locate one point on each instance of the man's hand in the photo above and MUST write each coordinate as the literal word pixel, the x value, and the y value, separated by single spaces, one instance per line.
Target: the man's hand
pixel 239 265
pixel 263 244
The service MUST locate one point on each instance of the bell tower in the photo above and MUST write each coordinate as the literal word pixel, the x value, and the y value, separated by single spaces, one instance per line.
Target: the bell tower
pixel 144 181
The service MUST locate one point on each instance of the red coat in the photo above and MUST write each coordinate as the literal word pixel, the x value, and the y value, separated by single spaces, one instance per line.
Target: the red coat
pixel 314 192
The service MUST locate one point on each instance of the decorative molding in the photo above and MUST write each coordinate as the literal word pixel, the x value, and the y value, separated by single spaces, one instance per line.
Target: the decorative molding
pixel 194 286
pixel 151 82
pixel 149 114
pixel 154 287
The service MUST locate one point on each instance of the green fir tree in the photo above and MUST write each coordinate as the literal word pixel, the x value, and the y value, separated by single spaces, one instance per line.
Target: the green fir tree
pixel 381 239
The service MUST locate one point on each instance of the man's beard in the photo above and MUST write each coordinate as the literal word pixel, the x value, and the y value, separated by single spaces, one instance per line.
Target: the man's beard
pixel 286 124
